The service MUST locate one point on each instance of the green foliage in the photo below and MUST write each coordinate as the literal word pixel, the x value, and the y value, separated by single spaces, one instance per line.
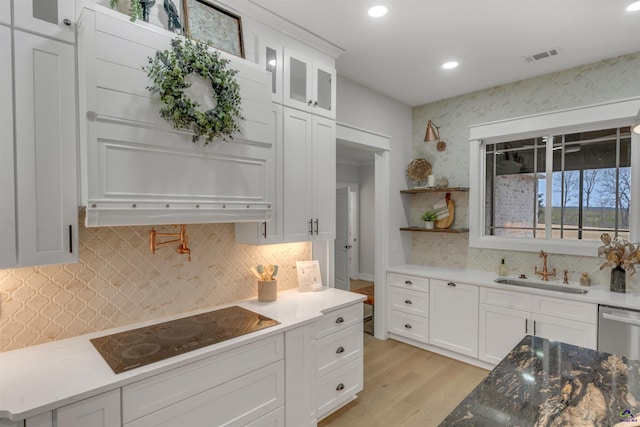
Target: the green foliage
pixel 429 215
pixel 168 70
pixel 135 12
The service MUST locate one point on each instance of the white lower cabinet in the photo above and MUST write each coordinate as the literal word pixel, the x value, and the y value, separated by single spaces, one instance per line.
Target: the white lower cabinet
pixel 232 388
pixel 99 411
pixel 300 369
pixel 453 316
pixel 506 317
pixel 339 359
pixel 41 420
pixel 409 307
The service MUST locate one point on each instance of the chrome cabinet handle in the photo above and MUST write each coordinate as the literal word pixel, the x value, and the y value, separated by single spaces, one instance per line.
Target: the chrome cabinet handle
pixel 408 282
pixel 311 226
pixel 340 350
pixel 453 285
pixel 408 301
pixel 315 104
pixel 526 326
pixel 265 229
pixel 534 327
pixel 66 22
pixel 340 319
pixel 310 103
pixel 317 226
pixel 70 239
pixel 340 387
pixel 408 326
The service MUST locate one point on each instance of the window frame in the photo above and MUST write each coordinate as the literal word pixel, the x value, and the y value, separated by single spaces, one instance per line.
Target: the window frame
pixel 618 113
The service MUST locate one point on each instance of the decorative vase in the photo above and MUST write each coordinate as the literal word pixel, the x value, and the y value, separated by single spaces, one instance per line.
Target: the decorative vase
pixel 428 225
pixel 618 279
pixel 124 6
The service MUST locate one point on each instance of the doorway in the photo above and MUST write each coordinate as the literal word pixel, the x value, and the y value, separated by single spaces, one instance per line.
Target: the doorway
pixel 362 175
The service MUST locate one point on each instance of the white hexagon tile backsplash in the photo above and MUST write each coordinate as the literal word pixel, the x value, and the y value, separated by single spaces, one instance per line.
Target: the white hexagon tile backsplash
pixel 119 282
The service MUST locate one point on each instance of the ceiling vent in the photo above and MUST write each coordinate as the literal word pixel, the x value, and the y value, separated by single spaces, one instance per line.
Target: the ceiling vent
pixel 542 55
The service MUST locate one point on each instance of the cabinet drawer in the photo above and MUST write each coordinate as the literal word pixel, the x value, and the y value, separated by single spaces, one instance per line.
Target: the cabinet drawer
pixel 566 309
pixel 272 419
pixel 339 386
pixel 338 349
pixel 234 403
pixel 339 320
pixel 507 299
pixel 409 301
pixel 157 392
pixel 408 325
pixel 409 282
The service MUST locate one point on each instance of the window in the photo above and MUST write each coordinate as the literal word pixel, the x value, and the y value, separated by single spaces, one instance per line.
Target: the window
pixel 557 189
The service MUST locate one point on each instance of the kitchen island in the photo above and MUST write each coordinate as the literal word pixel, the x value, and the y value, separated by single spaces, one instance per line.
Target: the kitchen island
pixel 543 383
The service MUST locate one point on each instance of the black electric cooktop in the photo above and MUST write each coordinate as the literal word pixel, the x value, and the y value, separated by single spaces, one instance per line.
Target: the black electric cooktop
pixel 138 347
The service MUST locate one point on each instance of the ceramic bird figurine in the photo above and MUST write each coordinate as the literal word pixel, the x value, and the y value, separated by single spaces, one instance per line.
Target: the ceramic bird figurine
pixel 172 15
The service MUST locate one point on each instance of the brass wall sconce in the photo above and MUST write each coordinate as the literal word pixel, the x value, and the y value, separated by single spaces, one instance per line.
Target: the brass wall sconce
pixel 181 237
pixel 433 134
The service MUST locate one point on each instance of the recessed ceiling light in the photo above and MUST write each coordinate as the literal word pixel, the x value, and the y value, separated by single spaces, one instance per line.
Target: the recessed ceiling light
pixel 377 11
pixel 449 65
pixel 633 7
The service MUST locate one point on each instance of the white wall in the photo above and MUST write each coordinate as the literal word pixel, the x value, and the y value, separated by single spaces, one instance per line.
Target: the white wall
pixel 365 108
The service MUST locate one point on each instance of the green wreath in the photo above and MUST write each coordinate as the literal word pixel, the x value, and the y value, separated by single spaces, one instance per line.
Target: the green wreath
pixel 168 70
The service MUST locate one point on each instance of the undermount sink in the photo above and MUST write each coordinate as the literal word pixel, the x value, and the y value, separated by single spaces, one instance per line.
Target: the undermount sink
pixel 536 285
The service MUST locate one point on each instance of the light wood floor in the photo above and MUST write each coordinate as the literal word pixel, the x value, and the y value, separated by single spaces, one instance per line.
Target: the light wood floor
pixel 405 386
pixel 358 284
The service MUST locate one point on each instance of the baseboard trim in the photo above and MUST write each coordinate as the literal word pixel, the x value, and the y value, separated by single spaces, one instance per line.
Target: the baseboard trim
pixel 367 277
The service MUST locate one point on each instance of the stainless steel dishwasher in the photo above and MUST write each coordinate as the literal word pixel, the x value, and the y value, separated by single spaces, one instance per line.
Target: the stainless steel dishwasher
pixel 619 331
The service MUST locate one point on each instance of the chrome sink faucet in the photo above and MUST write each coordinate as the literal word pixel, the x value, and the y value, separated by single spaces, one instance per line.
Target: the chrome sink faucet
pixel 544 273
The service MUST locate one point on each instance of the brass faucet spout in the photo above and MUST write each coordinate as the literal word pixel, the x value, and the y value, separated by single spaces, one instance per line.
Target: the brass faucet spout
pixel 182 238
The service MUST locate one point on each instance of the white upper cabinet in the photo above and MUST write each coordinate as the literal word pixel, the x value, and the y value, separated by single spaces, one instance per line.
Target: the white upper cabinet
pixel 309 176
pixel 5 13
pixel 309 84
pixel 46 170
pixel 269 232
pixel 51 18
pixel 7 190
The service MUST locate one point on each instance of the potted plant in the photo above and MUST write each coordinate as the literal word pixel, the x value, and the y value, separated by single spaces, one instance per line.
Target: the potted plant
pixel 133 8
pixel 429 217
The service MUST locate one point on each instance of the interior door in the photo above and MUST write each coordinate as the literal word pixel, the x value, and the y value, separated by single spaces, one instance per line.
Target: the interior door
pixel 342 246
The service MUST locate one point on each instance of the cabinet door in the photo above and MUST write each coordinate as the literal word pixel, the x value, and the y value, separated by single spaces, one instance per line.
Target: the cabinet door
pixel 567 331
pixel 40 420
pixel 323 168
pixel 269 232
pixel 45 150
pixel 270 57
pixel 51 18
pixel 5 14
pixel 298 86
pixel 453 311
pixel 500 330
pixel 99 411
pixel 324 90
pixel 7 189
pixel 300 369
pixel 298 220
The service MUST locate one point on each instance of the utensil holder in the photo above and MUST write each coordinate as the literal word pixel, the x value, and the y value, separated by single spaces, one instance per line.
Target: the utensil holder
pixel 267 290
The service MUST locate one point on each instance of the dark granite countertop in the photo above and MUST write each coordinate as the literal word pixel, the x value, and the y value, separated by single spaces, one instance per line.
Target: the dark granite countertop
pixel 549 383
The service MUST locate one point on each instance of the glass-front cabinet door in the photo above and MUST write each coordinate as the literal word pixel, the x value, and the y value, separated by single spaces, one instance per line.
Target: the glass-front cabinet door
pixel 324 90
pixel 270 58
pixel 309 85
pixel 51 18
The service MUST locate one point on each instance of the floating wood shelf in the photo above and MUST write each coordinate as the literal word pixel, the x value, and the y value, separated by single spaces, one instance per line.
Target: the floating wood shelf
pixel 436 230
pixel 433 190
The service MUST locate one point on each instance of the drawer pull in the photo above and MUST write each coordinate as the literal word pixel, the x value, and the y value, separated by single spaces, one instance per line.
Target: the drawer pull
pixel 408 282
pixel 340 350
pixel 451 284
pixel 408 326
pixel 340 387
pixel 340 319
pixel 408 301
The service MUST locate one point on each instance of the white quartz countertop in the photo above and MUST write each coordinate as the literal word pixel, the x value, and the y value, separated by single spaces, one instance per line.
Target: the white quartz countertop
pixel 599 294
pixel 47 376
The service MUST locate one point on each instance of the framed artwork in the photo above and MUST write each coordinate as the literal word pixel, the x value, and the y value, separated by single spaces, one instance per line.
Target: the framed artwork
pixel 207 22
